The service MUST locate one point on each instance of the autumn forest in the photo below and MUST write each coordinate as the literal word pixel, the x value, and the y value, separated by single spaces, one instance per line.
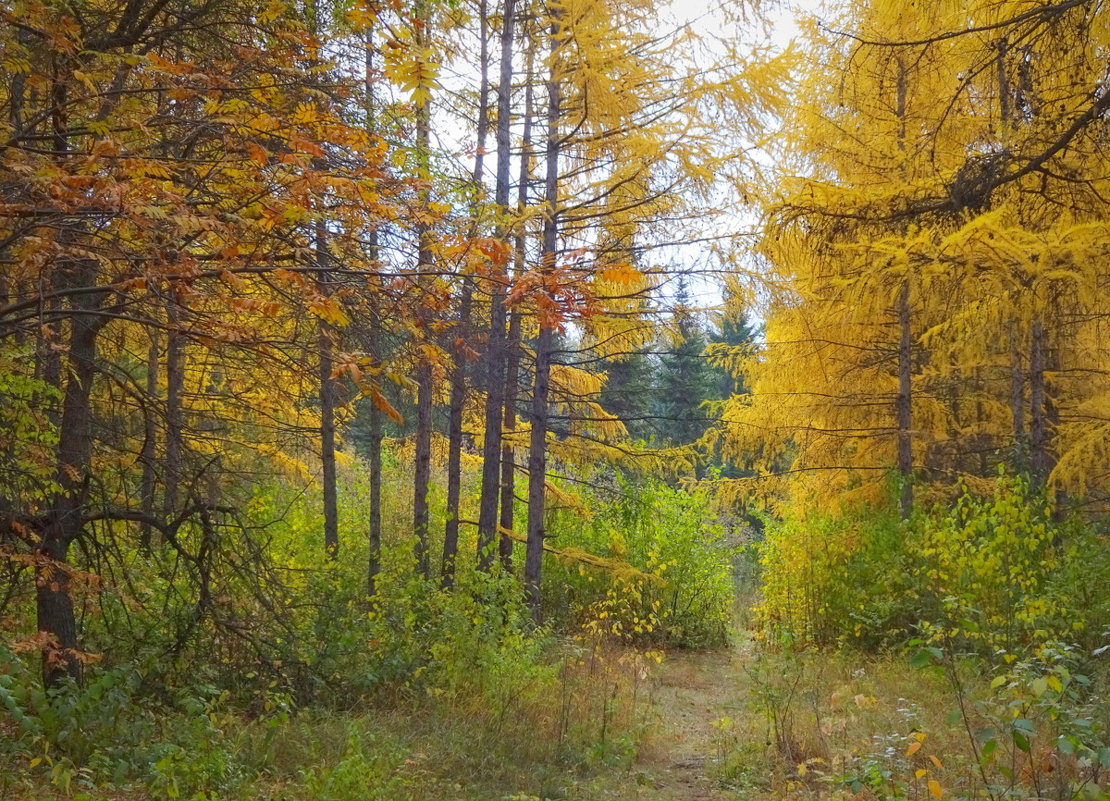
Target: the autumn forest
pixel 555 399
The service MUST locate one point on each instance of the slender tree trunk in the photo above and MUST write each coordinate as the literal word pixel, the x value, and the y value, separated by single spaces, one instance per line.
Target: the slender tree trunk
pixel 374 563
pixel 49 366
pixel 374 446
pixel 905 400
pixel 422 468
pixel 327 407
pixel 495 394
pixel 1039 460
pixel 512 343
pixel 64 522
pixel 537 454
pixel 175 390
pixel 1052 422
pixel 457 401
pixel 1017 396
pixel 508 458
pixel 423 437
pixel 149 454
pixel 456 406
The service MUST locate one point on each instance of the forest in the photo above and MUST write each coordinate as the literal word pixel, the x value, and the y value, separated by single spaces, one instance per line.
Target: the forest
pixel 555 400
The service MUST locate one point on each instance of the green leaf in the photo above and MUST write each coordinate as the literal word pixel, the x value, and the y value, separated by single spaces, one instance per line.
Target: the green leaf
pixel 989 747
pixel 1104 757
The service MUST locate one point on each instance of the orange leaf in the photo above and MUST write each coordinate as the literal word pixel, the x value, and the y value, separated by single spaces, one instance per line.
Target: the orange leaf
pixel 913 749
pixel 935 789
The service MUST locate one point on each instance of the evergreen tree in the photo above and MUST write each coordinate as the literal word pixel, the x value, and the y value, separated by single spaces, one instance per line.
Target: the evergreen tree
pixel 685 379
pixel 629 393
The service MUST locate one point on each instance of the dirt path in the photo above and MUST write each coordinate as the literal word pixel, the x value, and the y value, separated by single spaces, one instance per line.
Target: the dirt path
pixel 679 760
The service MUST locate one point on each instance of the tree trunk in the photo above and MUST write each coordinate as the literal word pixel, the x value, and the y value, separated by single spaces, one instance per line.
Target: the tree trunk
pixel 64 522
pixel 374 562
pixel 423 437
pixel 175 390
pixel 1039 460
pixel 149 454
pixel 508 458
pixel 905 400
pixel 456 405
pixel 495 393
pixel 374 446
pixel 459 351
pixel 537 472
pixel 1017 397
pixel 512 343
pixel 327 408
pixel 537 455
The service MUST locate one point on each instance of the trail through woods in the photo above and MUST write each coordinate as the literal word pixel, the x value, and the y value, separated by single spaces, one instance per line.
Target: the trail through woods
pixel 695 691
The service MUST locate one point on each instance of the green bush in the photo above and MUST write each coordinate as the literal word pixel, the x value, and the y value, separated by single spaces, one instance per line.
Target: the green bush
pixel 681 561
pixel 994 572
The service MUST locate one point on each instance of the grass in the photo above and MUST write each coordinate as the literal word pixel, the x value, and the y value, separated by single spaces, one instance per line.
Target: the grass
pixel 745 722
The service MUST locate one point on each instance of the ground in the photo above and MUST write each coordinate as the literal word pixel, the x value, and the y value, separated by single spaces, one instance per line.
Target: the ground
pixel 695 691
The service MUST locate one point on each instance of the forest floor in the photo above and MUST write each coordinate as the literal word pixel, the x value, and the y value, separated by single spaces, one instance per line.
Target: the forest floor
pixel 697 694
pixel 690 737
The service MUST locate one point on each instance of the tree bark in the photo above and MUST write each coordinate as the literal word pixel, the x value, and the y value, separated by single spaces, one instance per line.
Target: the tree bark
pixel 459 353
pixel 1039 460
pixel 495 394
pixel 327 388
pixel 64 522
pixel 175 390
pixel 1043 412
pixel 537 455
pixel 423 436
pixel 1017 397
pixel 374 446
pixel 905 400
pixel 512 342
pixel 149 454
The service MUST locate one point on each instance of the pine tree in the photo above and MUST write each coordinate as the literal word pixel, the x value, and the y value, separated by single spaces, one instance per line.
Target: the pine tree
pixel 685 379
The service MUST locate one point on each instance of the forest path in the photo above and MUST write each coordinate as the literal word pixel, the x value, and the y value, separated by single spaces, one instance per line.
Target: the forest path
pixel 679 759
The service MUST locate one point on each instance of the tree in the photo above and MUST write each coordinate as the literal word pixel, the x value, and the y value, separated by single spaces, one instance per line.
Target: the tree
pixel 686 380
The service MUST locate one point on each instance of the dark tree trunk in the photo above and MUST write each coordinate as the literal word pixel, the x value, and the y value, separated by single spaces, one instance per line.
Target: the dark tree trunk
pixel 905 400
pixel 459 351
pixel 537 454
pixel 537 471
pixel 149 454
pixel 374 562
pixel 327 408
pixel 495 392
pixel 175 423
pixel 423 437
pixel 423 467
pixel 64 522
pixel 1017 397
pixel 508 458
pixel 512 342
pixel 1039 459
pixel 374 446
pixel 456 405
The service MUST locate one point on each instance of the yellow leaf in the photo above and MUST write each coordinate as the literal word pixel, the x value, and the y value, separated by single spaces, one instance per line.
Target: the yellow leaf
pixel 934 789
